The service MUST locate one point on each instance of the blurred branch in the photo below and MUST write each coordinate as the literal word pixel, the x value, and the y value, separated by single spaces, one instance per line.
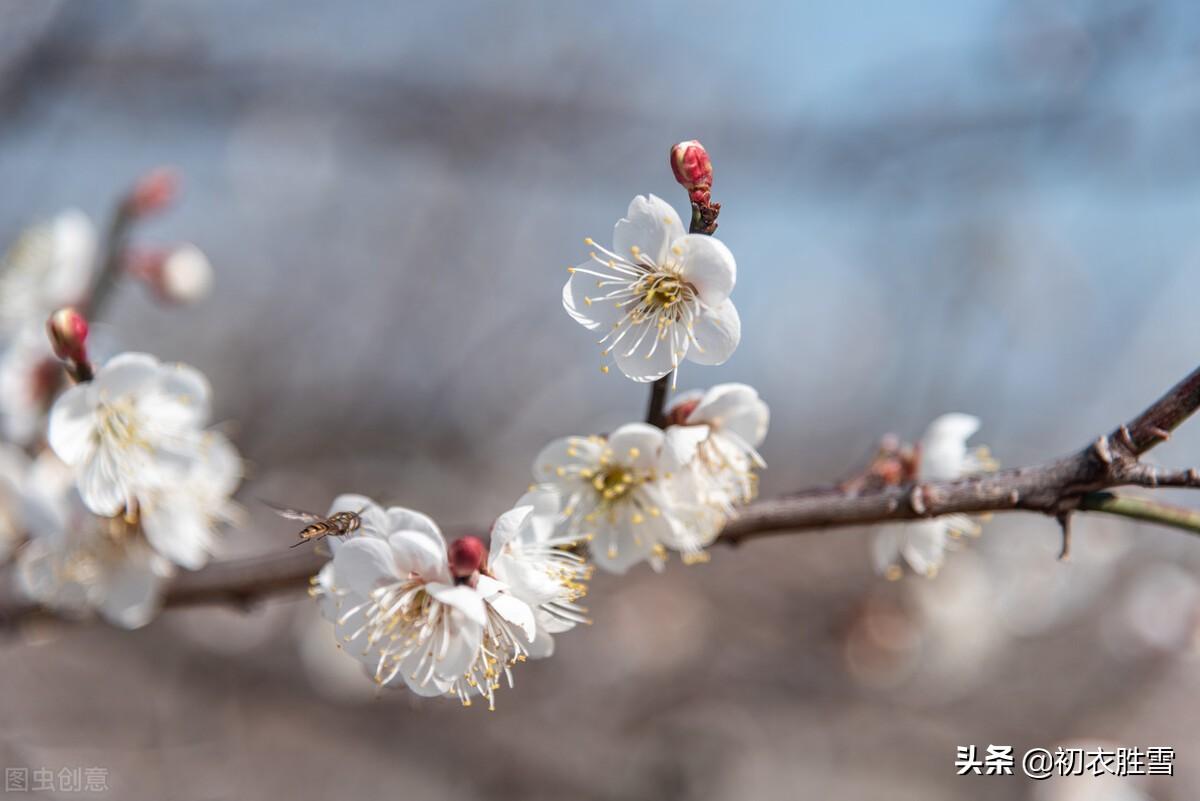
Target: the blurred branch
pixel 1076 483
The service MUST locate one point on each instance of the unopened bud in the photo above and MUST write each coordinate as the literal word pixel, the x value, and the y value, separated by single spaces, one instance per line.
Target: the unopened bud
pixel 186 275
pixel 153 192
pixel 68 332
pixel 466 556
pixel 182 275
pixel 693 170
pixel 679 414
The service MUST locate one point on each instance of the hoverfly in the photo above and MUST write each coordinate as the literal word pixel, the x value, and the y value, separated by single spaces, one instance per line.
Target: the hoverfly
pixel 318 526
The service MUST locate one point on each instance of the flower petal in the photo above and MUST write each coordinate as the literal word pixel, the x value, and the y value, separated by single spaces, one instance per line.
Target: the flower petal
pixel 650 225
pixel 133 591
pixel 682 443
pixel 508 526
pixel 72 423
pixel 417 553
pixel 179 531
pixel 736 408
pixel 944 446
pixel 925 545
pixel 360 563
pixel 580 297
pixel 717 333
pixel 516 613
pixel 402 519
pixel 460 597
pixel 637 445
pixel 567 452
pixel 125 374
pixel 638 357
pixel 706 264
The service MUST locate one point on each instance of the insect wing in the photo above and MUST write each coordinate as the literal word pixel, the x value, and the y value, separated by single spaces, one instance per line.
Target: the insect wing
pixel 294 514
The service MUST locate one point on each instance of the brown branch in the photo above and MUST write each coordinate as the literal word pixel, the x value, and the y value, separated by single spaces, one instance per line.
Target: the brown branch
pixel 1058 489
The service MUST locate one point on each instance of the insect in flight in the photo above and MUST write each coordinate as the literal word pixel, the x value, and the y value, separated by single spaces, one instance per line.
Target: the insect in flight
pixel 318 526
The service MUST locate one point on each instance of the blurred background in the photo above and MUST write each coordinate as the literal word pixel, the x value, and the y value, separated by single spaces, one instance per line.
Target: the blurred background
pixel 974 206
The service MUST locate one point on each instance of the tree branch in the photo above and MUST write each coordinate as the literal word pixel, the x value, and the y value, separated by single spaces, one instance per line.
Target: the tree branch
pixel 1060 488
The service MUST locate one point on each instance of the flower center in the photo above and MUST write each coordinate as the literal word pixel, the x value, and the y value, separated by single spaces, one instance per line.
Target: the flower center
pixel 117 424
pixel 614 483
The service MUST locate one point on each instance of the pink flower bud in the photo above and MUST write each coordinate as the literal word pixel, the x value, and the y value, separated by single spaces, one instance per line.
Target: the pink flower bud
pixel 68 332
pixel 693 169
pixel 153 192
pixel 466 556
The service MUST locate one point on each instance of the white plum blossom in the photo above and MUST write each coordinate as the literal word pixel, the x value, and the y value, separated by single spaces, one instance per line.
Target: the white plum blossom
pixel 618 496
pixel 133 428
pixel 394 602
pixel 539 567
pixel 943 456
pixel 49 266
pixel 76 562
pixel 180 517
pixel 661 295
pixel 715 435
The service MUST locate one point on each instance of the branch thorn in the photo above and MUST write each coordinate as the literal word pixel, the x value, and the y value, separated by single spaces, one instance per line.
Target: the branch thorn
pixel 1064 521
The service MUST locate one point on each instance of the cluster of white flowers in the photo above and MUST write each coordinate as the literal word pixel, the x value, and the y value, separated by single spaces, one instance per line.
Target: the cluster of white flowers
pixel 942 455
pixel 455 621
pixel 134 486
pixel 106 492
pixel 450 621
pixel 641 491
pixel 51 265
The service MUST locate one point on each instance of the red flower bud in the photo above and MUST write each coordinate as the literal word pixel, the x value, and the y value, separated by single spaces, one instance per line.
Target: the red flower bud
pixel 693 170
pixel 68 332
pixel 466 556
pixel 680 413
pixel 153 192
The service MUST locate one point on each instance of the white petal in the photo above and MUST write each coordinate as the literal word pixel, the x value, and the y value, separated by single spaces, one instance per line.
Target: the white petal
pixel 616 547
pixel 516 613
pixel 361 562
pixel 885 549
pixel 718 333
pixel 567 452
pixel 542 646
pixel 596 314
pixel 736 408
pixel 646 362
pixel 126 374
pixel 181 533
pixel 508 526
pixel 925 545
pixel 415 552
pixel 637 445
pixel 133 592
pixel 402 519
pixel 650 225
pixel 546 503
pixel 190 390
pixel 72 423
pixel 682 443
pixel 460 597
pixel 944 446
pixel 101 485
pixel 707 265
